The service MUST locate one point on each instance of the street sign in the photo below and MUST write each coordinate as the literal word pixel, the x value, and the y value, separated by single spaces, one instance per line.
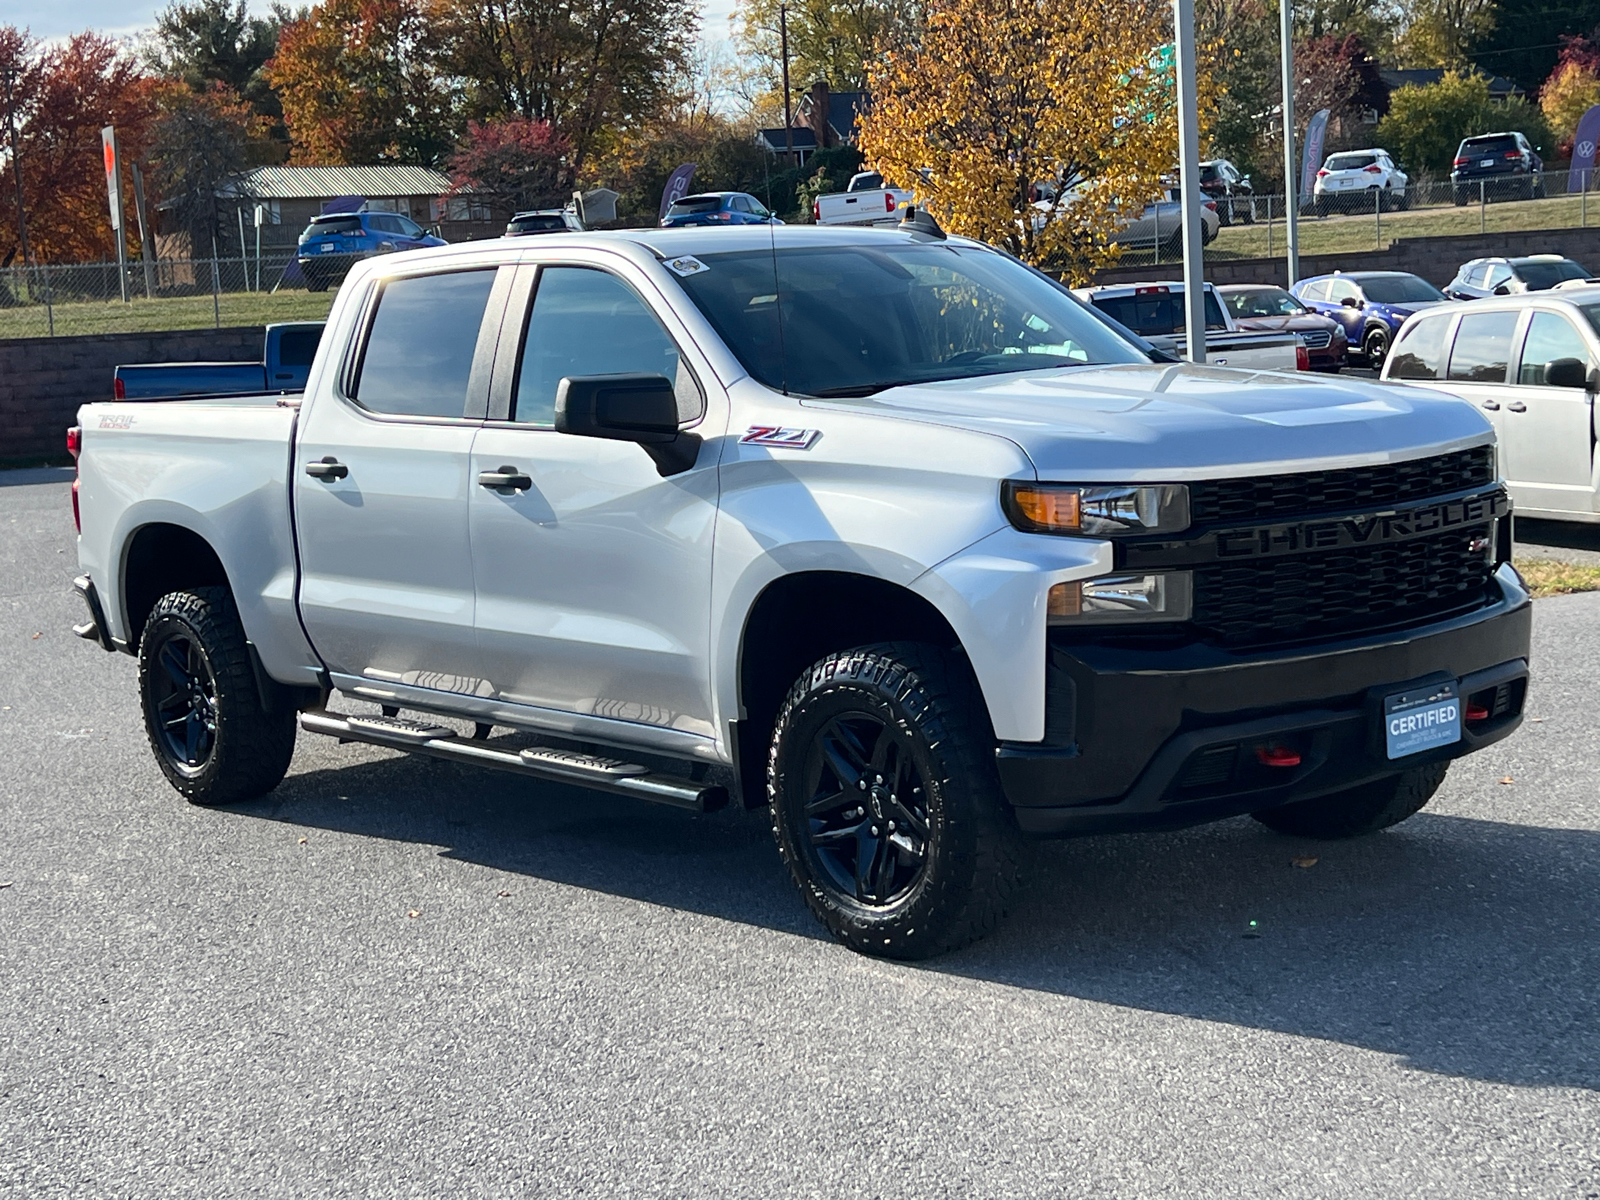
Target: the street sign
pixel 108 146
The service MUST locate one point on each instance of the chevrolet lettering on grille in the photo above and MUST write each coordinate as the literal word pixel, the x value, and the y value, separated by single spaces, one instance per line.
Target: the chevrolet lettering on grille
pixel 1328 533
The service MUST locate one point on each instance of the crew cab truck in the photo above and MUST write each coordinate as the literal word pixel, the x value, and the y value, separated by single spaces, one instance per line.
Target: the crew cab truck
pixel 655 512
pixel 285 363
pixel 1155 311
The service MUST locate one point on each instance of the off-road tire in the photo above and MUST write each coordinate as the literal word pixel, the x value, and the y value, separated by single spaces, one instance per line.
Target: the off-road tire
pixel 1361 810
pixel 928 703
pixel 249 749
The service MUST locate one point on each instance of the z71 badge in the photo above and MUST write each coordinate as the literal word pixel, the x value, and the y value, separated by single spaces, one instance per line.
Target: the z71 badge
pixel 782 437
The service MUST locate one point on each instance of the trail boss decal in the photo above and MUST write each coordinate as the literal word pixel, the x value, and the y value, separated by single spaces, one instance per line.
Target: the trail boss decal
pixel 781 436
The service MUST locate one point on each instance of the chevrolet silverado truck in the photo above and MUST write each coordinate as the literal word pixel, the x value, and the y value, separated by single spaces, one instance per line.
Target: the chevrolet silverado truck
pixel 286 354
pixel 655 512
pixel 1155 312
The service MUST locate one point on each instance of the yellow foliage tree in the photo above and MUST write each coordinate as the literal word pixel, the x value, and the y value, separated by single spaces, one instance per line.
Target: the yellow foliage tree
pixel 999 96
pixel 1566 96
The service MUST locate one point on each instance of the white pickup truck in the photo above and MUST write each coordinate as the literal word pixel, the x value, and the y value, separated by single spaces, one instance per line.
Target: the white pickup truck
pixel 1155 311
pixel 865 202
pixel 654 512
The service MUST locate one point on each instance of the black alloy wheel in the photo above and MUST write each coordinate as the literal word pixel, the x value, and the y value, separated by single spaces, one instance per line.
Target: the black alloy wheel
pixel 867 812
pixel 885 802
pixel 1375 346
pixel 208 723
pixel 183 692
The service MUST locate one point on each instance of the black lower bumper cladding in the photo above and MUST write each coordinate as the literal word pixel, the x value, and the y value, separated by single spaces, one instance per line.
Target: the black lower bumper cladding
pixel 1152 737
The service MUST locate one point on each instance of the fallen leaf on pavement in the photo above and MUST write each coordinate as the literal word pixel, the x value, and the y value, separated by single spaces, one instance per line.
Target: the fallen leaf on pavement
pixel 7 883
pixel 502 894
pixel 1508 779
pixel 302 841
pixel 415 912
pixel 37 636
pixel 1304 860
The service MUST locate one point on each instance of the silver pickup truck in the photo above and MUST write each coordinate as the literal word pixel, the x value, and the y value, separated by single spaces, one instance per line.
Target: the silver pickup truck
pixel 655 512
pixel 1155 312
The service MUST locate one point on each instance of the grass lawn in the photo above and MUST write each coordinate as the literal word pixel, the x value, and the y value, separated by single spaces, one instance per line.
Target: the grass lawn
pixel 172 312
pixel 1549 578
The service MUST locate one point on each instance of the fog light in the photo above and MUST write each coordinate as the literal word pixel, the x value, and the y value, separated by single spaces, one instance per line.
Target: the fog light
pixel 1120 599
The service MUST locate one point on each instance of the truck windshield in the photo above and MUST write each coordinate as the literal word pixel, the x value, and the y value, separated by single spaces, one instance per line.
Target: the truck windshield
pixel 1155 312
pixel 853 320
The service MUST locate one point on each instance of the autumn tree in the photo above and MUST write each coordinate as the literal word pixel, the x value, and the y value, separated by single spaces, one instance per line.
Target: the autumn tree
pixel 359 81
pixel 1572 89
pixel 1003 94
pixel 1425 125
pixel 836 40
pixel 513 164
pixel 198 155
pixel 64 95
pixel 1443 33
pixel 590 68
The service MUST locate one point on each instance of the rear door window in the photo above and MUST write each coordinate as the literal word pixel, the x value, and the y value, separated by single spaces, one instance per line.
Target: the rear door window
pixel 417 360
pixel 297 347
pixel 1420 350
pixel 1482 347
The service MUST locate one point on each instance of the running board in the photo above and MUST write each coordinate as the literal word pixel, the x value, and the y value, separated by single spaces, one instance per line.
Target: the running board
pixel 540 762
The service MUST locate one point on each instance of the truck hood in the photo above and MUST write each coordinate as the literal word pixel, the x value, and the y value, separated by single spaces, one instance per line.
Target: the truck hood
pixel 1183 421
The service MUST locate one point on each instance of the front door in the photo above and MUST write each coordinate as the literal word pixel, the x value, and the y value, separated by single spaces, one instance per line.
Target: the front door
pixel 594 580
pixel 1548 443
pixel 381 488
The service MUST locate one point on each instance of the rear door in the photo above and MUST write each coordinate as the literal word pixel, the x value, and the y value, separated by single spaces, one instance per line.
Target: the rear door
pixel 1479 359
pixel 1548 438
pixel 594 579
pixel 381 485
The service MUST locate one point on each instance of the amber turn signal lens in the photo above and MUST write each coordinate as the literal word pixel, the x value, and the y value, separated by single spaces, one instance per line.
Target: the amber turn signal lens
pixel 1065 600
pixel 1048 507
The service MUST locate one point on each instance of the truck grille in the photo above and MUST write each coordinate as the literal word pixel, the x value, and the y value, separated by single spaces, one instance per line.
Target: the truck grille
pixel 1356 590
pixel 1317 339
pixel 1276 497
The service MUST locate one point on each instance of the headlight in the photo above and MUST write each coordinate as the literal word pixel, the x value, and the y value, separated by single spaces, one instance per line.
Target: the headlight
pixel 1096 510
pixel 1121 599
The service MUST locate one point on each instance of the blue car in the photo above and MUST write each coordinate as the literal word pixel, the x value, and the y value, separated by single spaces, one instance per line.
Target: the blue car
pixel 718 208
pixel 1371 305
pixel 331 243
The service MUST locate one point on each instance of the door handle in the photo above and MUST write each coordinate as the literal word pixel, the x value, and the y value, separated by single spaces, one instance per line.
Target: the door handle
pixel 329 468
pixel 1517 406
pixel 505 477
pixel 1492 405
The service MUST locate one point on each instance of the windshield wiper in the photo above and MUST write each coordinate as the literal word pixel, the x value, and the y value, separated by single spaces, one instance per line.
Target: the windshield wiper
pixel 862 389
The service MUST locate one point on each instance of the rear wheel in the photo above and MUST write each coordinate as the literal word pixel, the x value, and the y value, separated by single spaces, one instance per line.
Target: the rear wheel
pixel 885 803
pixel 202 711
pixel 1362 810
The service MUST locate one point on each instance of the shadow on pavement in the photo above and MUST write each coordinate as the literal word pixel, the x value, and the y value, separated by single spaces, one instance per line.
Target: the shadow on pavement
pixel 1569 535
pixel 1465 947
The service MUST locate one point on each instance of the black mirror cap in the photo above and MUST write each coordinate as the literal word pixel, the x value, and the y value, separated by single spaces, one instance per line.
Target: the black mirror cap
pixel 1566 372
pixel 628 408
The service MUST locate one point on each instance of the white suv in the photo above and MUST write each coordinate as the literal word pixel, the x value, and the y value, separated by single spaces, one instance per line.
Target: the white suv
pixel 1359 181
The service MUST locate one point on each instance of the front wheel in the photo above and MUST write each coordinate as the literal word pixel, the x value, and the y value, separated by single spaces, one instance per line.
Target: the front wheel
pixel 202 711
pixel 1375 346
pixel 885 802
pixel 1361 810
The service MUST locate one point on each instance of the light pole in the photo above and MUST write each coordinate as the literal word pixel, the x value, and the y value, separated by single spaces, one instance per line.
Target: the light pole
pixel 1291 177
pixel 1194 299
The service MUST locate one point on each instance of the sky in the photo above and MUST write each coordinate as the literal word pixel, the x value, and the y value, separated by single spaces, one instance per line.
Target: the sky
pixel 49 19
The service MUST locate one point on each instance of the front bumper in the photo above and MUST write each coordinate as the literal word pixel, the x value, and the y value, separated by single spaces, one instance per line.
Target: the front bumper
pixel 1162 738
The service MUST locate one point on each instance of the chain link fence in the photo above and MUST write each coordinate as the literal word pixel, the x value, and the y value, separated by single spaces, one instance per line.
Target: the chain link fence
pixel 1371 217
pixel 43 300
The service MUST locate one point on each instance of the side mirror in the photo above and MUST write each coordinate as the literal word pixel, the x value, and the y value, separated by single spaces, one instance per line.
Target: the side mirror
pixel 628 408
pixel 1503 290
pixel 1350 302
pixel 1566 372
pixel 1244 182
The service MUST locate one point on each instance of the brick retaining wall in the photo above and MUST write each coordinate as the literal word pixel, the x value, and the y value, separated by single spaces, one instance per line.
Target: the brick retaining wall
pixel 44 380
pixel 1434 258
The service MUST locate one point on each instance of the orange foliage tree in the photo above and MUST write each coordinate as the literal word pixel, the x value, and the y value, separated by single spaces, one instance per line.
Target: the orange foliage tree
pixel 63 96
pixel 359 84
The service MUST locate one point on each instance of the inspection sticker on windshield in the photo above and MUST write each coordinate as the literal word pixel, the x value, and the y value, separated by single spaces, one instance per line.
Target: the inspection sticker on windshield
pixel 1421 719
pixel 686 264
pixel 784 438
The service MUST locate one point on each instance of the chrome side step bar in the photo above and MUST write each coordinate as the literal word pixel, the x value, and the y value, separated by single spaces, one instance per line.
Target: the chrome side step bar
pixel 540 762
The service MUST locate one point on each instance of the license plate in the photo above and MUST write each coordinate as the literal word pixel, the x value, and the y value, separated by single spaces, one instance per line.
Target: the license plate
pixel 1421 719
pixel 326 249
pixel 1486 162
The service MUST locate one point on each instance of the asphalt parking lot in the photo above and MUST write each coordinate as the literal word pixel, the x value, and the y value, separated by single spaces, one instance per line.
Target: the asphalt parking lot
pixel 405 978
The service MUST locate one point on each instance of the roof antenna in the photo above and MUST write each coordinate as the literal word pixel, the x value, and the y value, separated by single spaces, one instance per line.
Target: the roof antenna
pixel 919 221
